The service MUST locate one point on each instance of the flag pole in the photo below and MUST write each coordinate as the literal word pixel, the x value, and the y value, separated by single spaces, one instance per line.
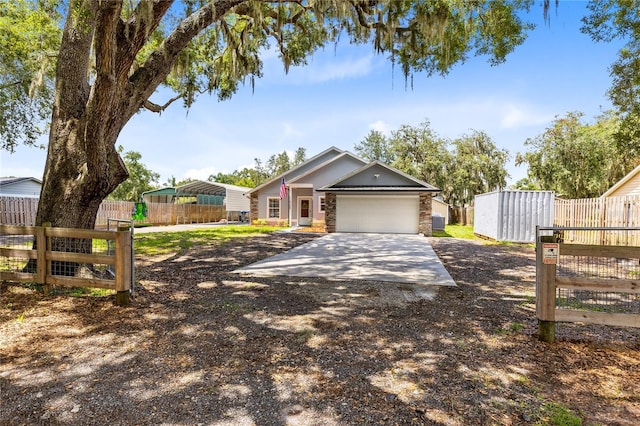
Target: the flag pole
pixel 289 207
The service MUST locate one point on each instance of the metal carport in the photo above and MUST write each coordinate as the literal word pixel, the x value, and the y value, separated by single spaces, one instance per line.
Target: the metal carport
pixel 233 197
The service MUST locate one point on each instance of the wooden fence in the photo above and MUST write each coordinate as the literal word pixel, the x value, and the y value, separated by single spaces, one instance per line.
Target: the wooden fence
pixel 22 211
pixel 45 256
pixel 609 212
pixel 596 294
pixel 18 211
pixel 461 215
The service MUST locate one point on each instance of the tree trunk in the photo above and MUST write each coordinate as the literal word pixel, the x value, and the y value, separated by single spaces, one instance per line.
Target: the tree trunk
pixel 94 102
pixel 74 184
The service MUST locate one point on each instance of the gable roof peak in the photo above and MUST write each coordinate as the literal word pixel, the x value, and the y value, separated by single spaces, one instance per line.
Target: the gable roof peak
pixel 622 181
pixel 334 149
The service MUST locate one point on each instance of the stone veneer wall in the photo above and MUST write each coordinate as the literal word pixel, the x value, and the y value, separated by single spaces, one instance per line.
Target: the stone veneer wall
pixel 253 208
pixel 330 212
pixel 425 225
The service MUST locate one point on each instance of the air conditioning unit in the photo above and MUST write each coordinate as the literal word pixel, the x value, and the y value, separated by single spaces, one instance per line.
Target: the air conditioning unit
pixel 437 222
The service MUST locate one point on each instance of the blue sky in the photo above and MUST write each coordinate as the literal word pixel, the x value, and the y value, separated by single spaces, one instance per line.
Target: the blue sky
pixel 344 93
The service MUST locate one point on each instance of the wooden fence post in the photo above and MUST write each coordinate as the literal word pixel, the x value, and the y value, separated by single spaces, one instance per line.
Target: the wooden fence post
pixel 545 293
pixel 43 266
pixel 123 267
pixel 41 260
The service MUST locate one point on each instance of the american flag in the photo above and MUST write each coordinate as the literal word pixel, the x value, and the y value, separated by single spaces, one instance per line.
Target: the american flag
pixel 283 189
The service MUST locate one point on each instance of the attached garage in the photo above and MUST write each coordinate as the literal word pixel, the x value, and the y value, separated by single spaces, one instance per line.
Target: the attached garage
pixel 382 213
pixel 377 198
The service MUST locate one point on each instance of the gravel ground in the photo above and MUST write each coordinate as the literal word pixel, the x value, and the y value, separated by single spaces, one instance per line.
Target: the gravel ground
pixel 202 346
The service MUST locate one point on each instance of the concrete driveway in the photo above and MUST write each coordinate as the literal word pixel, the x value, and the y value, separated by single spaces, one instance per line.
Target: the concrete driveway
pixel 371 257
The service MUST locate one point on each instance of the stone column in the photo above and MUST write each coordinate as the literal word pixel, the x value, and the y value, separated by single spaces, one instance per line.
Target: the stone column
pixel 425 226
pixel 330 212
pixel 253 208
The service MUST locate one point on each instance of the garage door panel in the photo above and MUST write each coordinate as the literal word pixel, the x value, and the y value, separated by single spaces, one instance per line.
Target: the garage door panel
pixel 377 213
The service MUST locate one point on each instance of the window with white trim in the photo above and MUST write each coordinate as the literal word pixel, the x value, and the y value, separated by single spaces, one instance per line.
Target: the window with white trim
pixel 321 205
pixel 273 208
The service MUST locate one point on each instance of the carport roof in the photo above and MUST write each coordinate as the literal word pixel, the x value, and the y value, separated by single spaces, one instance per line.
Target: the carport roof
pixel 208 188
pixel 162 191
pixel 350 181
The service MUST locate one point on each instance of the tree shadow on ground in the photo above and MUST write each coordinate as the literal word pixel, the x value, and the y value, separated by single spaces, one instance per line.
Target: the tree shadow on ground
pixel 200 345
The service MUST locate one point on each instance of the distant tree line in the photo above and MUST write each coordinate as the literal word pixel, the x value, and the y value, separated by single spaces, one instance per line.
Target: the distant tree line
pixel 261 172
pixel 577 159
pixel 572 157
pixel 468 165
pixel 142 179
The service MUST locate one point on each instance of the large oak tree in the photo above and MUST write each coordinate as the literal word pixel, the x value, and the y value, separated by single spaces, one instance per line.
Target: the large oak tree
pixel 576 159
pixel 114 55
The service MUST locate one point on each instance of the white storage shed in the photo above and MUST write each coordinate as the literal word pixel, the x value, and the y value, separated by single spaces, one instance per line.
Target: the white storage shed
pixel 512 215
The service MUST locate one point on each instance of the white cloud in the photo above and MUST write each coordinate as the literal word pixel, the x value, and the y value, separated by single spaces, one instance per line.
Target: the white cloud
pixel 289 130
pixel 352 67
pixel 327 68
pixel 514 116
pixel 381 126
pixel 200 174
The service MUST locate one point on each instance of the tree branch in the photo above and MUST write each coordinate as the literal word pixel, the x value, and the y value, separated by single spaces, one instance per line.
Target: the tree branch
pixel 12 84
pixel 133 34
pixel 146 79
pixel 160 108
pixel 74 60
pixel 107 18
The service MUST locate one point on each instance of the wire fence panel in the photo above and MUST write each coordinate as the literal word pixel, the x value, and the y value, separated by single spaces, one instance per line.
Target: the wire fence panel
pixel 590 283
pixel 67 257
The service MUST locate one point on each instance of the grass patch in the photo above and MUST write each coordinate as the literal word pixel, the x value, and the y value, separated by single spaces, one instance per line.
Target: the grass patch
pixel 82 291
pixel 156 243
pixel 456 231
pixel 466 232
pixel 558 415
pixel 514 327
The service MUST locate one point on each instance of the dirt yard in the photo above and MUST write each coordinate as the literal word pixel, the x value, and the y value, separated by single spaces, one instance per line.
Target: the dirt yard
pixel 202 346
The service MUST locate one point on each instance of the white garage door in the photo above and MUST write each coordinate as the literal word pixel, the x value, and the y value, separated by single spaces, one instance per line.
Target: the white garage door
pixel 391 214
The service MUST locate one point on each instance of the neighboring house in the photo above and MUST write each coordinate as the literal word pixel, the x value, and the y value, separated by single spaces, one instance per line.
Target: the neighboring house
pixel 347 194
pixel 628 185
pixel 20 187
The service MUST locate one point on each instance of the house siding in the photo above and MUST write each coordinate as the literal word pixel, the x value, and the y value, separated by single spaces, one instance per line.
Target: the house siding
pixel 324 176
pixel 631 187
pixel 26 188
pixel 318 178
pixel 441 208
pixel 270 191
pixel 237 201
pixel 376 176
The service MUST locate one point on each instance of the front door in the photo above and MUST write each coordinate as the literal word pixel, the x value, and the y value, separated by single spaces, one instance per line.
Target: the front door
pixel 304 216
